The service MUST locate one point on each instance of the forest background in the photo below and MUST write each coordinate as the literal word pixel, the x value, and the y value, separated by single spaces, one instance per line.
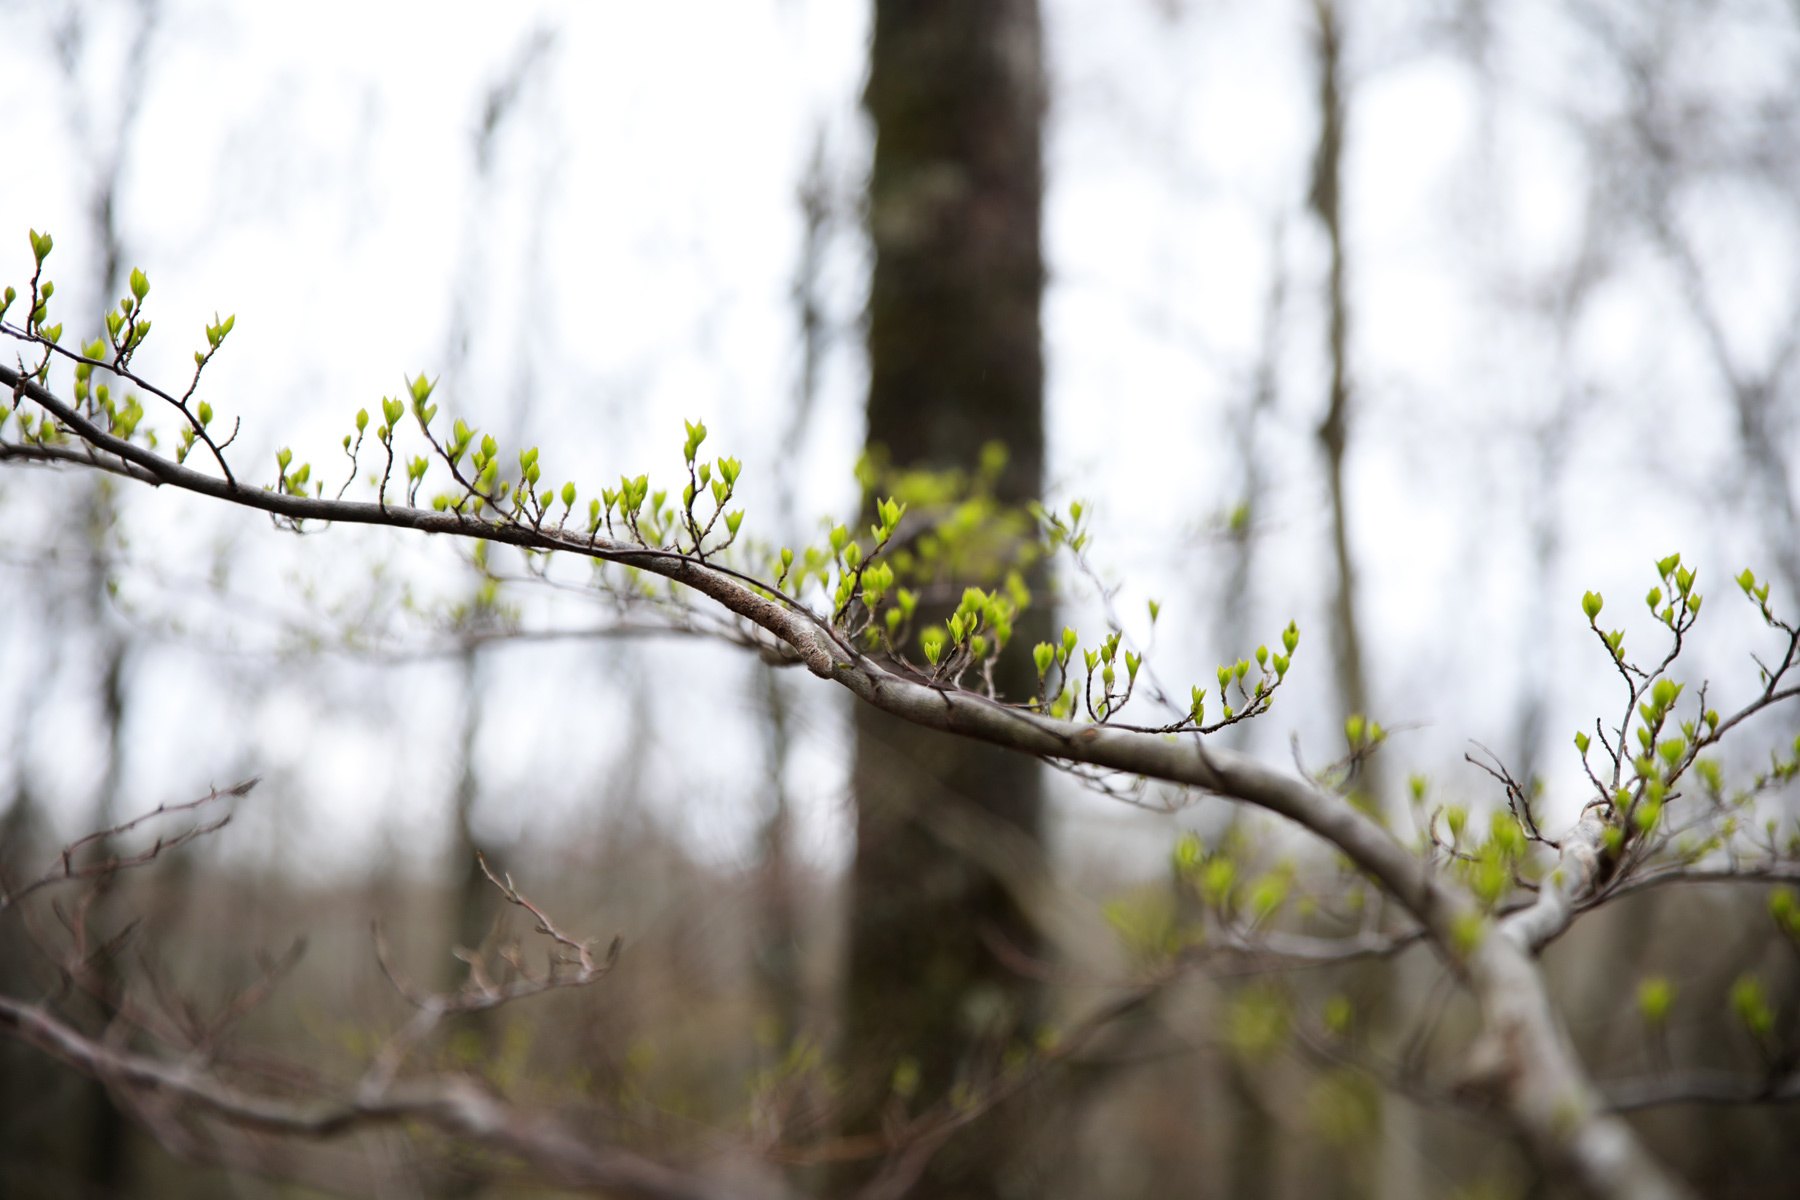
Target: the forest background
pixel 1571 233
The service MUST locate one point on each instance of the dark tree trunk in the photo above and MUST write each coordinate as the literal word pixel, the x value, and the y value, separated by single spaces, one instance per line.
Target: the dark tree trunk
pixel 956 91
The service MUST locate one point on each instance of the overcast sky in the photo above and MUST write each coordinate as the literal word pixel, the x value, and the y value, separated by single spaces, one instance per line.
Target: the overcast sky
pixel 623 257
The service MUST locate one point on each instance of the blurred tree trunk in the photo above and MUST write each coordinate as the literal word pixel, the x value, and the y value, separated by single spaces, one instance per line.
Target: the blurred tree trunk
pixel 105 1166
pixel 1326 200
pixel 956 92
pixel 1381 1164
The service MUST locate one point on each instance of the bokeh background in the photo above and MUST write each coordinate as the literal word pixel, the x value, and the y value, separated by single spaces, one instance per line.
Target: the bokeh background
pixel 1572 242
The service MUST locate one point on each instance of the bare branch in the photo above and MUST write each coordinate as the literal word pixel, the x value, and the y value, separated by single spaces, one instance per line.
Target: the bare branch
pixel 1700 1087
pixel 69 868
pixel 454 1104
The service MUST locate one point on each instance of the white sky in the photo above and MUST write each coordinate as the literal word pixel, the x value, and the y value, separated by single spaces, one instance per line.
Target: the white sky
pixel 628 262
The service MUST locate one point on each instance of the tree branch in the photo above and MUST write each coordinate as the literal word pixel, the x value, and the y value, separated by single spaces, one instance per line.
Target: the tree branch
pixel 454 1104
pixel 1528 1064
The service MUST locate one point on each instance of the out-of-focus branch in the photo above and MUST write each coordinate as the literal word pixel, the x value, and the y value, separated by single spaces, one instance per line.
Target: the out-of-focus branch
pixel 1773 872
pixel 70 867
pixel 1701 1087
pixel 455 1104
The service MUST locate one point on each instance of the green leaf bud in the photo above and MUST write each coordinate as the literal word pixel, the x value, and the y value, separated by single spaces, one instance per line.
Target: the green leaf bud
pixel 40 245
pixel 1197 705
pixel 1155 611
pixel 283 457
pixel 204 411
pixel 1262 656
pixel 1290 637
pixel 1269 894
pixel 1581 742
pixel 1075 512
pixel 1666 567
pixel 1219 877
pixel 1654 598
pixel 1784 907
pixel 362 419
pixel 732 521
pixel 1655 996
pixel 1747 580
pixel 1338 1014
pixel 1069 640
pixel 1354 728
pixel 140 284
pixel 1188 854
pixel 1042 655
pixel 1752 1007
pixel 1672 750
pixel 1591 604
pixel 931 641
pixel 1458 817
pixel 909 600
